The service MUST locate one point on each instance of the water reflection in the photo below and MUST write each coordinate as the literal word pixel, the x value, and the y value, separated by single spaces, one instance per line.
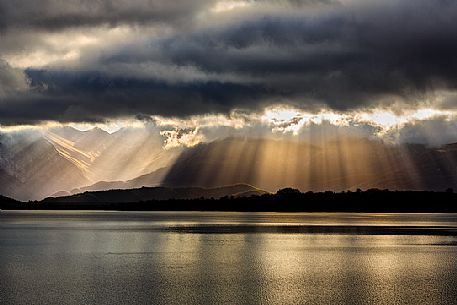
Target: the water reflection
pixel 111 259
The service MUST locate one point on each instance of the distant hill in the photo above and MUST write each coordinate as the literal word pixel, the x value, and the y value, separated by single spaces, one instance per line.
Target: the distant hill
pixel 157 193
pixel 285 200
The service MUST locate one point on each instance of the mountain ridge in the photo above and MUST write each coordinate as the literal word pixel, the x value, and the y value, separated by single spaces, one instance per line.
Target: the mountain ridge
pixel 284 200
pixel 157 193
pixel 34 166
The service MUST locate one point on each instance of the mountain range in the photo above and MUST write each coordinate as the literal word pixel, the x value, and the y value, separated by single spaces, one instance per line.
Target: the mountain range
pixel 64 161
pixel 336 165
pixel 39 163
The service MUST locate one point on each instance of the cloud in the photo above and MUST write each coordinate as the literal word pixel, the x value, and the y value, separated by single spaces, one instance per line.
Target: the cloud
pixel 11 80
pixel 56 15
pixel 339 55
pixel 432 127
pixel 56 31
pixel 434 132
pixel 424 125
pixel 93 96
pixel 181 137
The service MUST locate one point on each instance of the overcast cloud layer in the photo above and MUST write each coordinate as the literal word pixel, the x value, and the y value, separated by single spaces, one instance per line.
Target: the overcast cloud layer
pixel 97 60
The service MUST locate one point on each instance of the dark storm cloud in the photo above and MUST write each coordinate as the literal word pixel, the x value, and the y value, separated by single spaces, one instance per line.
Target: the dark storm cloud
pixel 56 15
pixel 343 58
pixel 343 55
pixel 92 96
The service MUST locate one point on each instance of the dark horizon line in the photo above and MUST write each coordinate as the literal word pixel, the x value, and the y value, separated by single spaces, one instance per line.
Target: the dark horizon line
pixel 285 200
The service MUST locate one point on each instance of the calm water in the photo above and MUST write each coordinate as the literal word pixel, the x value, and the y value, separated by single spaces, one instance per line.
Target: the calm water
pixel 227 258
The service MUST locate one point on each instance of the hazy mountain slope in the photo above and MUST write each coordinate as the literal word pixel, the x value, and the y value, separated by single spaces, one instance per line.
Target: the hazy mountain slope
pixel 120 156
pixel 347 163
pixel 157 193
pixel 38 163
pixel 37 169
pixel 8 183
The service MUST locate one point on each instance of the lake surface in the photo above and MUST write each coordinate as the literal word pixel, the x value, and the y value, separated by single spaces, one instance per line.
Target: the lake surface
pixel 56 257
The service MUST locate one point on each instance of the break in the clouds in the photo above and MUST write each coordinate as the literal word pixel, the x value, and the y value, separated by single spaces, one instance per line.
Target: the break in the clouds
pixel 112 59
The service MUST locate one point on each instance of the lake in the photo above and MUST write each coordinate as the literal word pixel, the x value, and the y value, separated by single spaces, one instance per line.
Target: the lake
pixel 66 257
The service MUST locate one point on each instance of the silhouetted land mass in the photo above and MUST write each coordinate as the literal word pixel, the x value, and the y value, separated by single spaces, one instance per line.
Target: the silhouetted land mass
pixel 285 200
pixel 158 193
pixel 6 201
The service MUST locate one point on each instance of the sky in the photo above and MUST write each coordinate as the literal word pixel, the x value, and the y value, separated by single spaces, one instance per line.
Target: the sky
pixel 202 69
